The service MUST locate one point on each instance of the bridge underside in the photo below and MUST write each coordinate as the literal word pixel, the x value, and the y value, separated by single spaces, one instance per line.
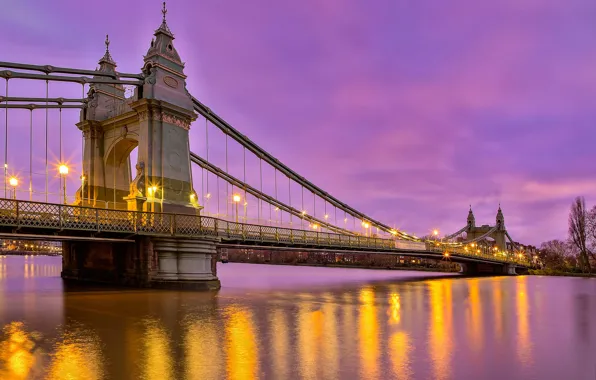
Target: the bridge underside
pixel 469 265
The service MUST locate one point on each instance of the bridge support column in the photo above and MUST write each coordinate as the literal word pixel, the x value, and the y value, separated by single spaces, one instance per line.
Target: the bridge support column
pixel 186 263
pixel 146 262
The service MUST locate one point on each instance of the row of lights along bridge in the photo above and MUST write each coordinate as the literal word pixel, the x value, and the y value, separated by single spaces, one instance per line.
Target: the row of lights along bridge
pixel 63 170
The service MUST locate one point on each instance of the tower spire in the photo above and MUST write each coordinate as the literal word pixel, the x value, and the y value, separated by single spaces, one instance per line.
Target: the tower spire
pixel 164 25
pixel 471 219
pixel 107 63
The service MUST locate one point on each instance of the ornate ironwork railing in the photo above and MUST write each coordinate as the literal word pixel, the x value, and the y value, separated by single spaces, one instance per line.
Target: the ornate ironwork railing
pixel 18 214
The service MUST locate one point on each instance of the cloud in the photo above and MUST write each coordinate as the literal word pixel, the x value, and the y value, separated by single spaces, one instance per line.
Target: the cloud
pixel 410 111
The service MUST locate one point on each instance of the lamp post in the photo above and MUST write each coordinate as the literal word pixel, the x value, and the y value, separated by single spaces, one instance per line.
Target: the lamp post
pixel 366 225
pixel 236 198
pixel 14 182
pixel 63 170
pixel 82 189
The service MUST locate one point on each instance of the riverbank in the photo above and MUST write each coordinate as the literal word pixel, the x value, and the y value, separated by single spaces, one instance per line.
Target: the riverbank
pixel 550 272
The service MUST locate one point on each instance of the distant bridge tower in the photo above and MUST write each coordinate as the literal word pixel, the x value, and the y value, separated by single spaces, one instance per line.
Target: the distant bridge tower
pixel 498 233
pixel 156 120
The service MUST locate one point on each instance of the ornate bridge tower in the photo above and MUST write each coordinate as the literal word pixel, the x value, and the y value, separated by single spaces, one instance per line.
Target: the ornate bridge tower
pixel 499 233
pixel 156 119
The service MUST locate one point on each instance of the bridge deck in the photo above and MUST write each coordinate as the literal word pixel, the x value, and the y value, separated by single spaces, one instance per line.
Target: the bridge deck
pixel 45 218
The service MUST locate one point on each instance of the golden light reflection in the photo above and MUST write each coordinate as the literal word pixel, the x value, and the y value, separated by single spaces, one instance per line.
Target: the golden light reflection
pixel 202 351
pixel 77 356
pixel 279 343
pixel 310 332
pixel 17 356
pixel 524 348
pixel 156 349
pixel 440 332
pixel 474 313
pixel 498 308
pixel 241 347
pixel 368 332
pixel 394 309
pixel 330 345
pixel 399 351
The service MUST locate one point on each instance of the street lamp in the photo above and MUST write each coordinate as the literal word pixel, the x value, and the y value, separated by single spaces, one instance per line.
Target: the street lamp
pixel 14 182
pixel 236 198
pixel 63 170
pixel 82 189
pixel 366 225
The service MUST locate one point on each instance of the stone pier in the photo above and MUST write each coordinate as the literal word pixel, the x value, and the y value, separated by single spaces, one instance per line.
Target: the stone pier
pixel 147 263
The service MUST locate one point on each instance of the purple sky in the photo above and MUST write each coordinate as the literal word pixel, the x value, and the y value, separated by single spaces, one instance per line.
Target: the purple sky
pixel 407 110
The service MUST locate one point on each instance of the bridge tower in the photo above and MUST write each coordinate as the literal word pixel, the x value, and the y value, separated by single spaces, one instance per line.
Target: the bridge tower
pixel 156 119
pixel 499 233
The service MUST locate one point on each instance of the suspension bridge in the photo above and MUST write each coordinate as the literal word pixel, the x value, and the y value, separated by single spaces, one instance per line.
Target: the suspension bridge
pixel 162 225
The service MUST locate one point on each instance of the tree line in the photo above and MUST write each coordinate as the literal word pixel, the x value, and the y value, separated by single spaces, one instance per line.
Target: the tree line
pixel 578 252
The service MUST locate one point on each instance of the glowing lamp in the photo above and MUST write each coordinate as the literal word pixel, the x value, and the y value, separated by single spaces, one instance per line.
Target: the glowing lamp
pixel 63 169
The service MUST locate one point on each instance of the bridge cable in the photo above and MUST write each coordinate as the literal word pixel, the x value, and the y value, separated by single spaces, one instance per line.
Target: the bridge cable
pixel 83 156
pixel 303 210
pixel 227 185
pixel 256 193
pixel 314 206
pixel 244 180
pixel 114 151
pixel 6 142
pixel 31 154
pixel 217 185
pixel 290 198
pixel 275 184
pixel 208 195
pixel 46 135
pixel 258 199
pixel 203 186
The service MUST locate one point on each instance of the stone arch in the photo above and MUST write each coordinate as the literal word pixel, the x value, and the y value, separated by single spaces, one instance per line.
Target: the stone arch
pixel 118 169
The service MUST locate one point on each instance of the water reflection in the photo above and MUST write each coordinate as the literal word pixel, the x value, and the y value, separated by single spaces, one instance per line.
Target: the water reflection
pixel 439 329
pixel 330 339
pixel 475 314
pixel 157 357
pixel 17 352
pixel 241 346
pixel 368 334
pixel 524 348
pixel 400 349
pixel 202 350
pixel 77 356
pixel 497 292
pixel 280 349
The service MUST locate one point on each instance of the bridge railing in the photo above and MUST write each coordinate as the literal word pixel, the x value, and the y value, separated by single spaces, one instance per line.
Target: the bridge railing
pixel 18 214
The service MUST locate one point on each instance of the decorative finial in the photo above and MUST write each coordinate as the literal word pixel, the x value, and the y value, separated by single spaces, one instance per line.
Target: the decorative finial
pixel 107 43
pixel 164 11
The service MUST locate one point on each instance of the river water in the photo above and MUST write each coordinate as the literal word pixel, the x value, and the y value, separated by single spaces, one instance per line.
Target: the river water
pixel 286 322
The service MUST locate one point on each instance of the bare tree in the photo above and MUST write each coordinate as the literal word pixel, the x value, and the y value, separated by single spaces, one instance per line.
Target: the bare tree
pixel 578 228
pixel 555 255
pixel 591 226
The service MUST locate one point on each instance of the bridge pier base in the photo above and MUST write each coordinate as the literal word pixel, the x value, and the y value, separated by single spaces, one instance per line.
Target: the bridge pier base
pixel 145 263
pixel 185 263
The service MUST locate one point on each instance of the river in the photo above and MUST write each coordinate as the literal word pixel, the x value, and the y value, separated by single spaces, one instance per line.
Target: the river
pixel 287 322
